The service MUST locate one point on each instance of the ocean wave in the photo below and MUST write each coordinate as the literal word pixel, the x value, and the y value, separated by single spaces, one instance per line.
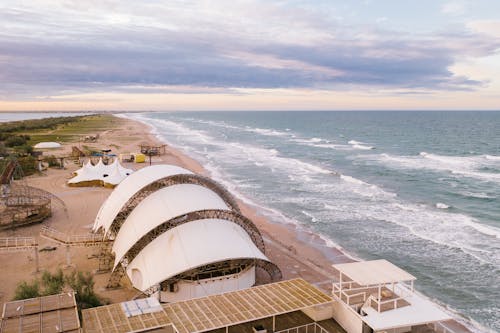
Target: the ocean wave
pixel 477 166
pixel 359 145
pixel 480 195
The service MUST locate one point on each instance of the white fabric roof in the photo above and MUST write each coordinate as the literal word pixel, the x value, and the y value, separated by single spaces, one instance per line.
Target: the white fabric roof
pixel 130 186
pixel 109 174
pixel 420 311
pixel 45 145
pixel 374 272
pixel 188 246
pixel 161 206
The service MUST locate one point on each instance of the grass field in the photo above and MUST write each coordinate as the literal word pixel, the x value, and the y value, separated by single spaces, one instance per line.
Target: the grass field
pixel 74 131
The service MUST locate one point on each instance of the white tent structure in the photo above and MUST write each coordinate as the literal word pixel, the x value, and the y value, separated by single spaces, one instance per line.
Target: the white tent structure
pixel 178 235
pixel 47 145
pixel 101 174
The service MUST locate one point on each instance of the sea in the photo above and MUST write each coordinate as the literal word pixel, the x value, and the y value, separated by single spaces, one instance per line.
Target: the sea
pixel 421 189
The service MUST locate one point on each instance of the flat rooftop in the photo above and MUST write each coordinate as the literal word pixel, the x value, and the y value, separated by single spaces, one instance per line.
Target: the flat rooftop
pixel 211 312
pixel 374 272
pixel 55 313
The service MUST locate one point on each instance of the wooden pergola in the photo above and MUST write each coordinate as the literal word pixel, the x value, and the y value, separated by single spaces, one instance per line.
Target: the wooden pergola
pixel 55 313
pixel 211 312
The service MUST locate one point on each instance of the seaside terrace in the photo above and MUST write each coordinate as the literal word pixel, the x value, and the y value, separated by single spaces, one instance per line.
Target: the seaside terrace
pixel 377 296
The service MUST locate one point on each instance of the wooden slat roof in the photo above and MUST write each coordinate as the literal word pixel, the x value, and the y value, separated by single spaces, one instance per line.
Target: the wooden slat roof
pixel 212 312
pixel 55 313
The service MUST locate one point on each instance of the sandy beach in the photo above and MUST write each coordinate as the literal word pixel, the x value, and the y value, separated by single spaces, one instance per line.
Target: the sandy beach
pixel 297 253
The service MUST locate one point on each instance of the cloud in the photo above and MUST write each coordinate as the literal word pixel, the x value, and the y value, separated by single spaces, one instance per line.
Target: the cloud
pixel 74 47
pixel 454 8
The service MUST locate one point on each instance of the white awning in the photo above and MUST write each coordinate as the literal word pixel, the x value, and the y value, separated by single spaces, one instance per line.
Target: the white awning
pixel 374 272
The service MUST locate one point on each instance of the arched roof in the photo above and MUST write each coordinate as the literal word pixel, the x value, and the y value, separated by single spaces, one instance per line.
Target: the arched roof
pixel 161 206
pixel 188 246
pixel 128 188
pixel 140 184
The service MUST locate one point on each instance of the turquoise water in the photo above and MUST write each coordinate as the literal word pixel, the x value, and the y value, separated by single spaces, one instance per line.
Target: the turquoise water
pixel 421 189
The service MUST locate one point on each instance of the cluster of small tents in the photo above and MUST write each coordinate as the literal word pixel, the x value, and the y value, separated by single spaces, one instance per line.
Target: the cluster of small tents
pixel 100 174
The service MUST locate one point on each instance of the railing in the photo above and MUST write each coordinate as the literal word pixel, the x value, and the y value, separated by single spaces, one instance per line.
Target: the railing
pixel 439 327
pixel 399 292
pixel 6 242
pixel 308 328
pixel 340 292
pixel 71 240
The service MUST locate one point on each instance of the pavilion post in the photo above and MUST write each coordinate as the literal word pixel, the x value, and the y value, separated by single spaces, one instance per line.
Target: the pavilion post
pixel 68 256
pixel 379 296
pixel 37 268
pixel 274 323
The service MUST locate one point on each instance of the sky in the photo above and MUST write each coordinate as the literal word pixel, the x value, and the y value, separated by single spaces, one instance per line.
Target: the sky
pixel 249 55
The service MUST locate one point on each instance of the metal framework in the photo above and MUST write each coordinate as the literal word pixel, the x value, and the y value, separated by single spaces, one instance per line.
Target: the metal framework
pixel 22 205
pixel 164 182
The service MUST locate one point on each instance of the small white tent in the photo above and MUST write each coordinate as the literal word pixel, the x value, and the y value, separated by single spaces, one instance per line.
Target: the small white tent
pixel 47 145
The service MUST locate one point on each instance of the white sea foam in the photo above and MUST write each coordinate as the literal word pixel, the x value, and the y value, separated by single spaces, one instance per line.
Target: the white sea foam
pixel 441 205
pixel 480 195
pixel 311 216
pixel 476 166
pixel 359 145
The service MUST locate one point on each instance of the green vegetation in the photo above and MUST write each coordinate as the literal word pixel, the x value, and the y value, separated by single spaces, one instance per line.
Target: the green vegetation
pixel 18 137
pixel 56 283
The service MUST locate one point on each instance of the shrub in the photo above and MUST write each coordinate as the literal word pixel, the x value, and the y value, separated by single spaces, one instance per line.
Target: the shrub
pixel 28 165
pixel 27 290
pixel 83 285
pixel 54 283
pixel 52 160
pixel 15 140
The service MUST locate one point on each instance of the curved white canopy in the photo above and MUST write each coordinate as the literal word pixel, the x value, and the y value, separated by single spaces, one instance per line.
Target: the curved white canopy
pixel 128 188
pixel 161 206
pixel 188 246
pixel 47 145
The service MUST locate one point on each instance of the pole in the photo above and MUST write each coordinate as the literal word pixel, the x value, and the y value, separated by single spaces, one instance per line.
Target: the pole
pixel 68 257
pixel 36 260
